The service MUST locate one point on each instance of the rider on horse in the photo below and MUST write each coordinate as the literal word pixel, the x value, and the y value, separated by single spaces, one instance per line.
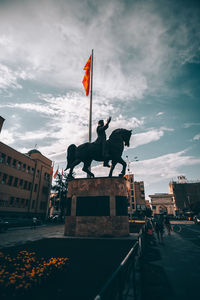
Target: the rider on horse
pixel 101 139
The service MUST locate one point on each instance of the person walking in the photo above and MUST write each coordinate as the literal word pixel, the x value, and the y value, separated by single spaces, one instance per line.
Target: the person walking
pixel 159 229
pixel 168 225
pixel 34 222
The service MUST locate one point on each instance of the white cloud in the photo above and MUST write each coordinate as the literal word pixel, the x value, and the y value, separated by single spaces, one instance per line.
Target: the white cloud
pixel 188 125
pixel 159 113
pixel 164 167
pixel 196 137
pixel 66 121
pixel 143 138
pixel 51 43
pixel 7 137
pixel 37 107
pixel 8 78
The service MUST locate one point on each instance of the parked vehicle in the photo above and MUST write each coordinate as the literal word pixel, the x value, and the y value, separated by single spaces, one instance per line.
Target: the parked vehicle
pixel 3 225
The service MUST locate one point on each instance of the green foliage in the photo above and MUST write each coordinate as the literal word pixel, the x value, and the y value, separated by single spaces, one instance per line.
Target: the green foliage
pixel 60 188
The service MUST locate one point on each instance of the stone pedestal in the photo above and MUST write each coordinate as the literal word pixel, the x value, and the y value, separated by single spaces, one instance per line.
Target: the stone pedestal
pixel 97 207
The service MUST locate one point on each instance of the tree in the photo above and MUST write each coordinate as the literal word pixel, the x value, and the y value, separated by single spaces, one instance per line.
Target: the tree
pixel 60 188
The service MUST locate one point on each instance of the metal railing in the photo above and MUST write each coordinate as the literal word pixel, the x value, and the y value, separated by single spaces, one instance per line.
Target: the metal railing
pixel 124 282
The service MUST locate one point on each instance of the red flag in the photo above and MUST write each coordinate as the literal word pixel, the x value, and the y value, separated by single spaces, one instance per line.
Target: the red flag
pixel 54 176
pixel 86 79
pixel 51 171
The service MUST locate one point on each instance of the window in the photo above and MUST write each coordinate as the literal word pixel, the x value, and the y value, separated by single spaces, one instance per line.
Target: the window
pixel 2 158
pixel 19 165
pixel 132 199
pixel 35 188
pixel 38 172
pixel 153 206
pixel 14 163
pixel 16 182
pixel 29 169
pixel 21 183
pixel 24 167
pixel 4 179
pixel 29 186
pixel 10 180
pixel 32 170
pixel 33 204
pixel 8 161
pixel 25 185
pixel 133 206
pixel 12 200
pixel 27 201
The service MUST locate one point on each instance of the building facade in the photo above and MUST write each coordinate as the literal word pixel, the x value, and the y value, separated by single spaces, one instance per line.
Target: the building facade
pixel 136 195
pixel 162 203
pixel 25 182
pixel 186 195
pixel 139 195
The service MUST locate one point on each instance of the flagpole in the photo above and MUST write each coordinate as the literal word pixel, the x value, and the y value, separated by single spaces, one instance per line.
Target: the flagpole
pixel 90 113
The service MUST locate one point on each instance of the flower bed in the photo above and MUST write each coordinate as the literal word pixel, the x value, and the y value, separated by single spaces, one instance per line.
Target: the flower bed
pixel 23 272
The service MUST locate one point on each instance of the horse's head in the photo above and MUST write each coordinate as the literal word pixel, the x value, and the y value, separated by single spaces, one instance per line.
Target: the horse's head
pixel 121 135
pixel 126 137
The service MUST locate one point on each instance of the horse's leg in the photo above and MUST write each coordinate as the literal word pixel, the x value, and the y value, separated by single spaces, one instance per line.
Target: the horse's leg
pixel 112 168
pixel 85 168
pixel 123 163
pixel 74 164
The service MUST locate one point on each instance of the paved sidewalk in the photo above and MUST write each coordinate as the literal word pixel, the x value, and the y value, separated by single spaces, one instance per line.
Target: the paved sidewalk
pixel 171 270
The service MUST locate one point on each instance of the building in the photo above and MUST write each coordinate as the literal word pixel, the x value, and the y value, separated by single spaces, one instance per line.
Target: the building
pixel 162 203
pixel 139 195
pixel 136 195
pixel 25 182
pixel 186 195
pixel 130 195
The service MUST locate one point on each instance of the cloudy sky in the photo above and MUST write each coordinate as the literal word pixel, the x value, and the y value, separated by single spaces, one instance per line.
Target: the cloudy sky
pixel 146 76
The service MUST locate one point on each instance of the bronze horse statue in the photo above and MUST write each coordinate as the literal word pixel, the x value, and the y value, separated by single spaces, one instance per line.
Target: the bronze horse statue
pixel 88 152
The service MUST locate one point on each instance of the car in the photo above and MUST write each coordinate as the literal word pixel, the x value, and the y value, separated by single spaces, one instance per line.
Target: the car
pixel 197 219
pixel 3 225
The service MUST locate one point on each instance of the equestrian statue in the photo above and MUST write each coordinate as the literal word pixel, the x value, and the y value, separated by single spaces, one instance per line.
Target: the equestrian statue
pixel 100 150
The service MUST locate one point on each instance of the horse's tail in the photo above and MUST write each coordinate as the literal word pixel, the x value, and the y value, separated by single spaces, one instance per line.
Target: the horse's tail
pixel 70 155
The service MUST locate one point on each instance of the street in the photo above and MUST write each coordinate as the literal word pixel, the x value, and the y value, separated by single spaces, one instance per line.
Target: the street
pixel 19 236
pixel 171 270
pixel 191 233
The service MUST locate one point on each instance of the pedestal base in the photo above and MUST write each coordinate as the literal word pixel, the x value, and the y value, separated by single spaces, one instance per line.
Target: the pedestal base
pixel 97 207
